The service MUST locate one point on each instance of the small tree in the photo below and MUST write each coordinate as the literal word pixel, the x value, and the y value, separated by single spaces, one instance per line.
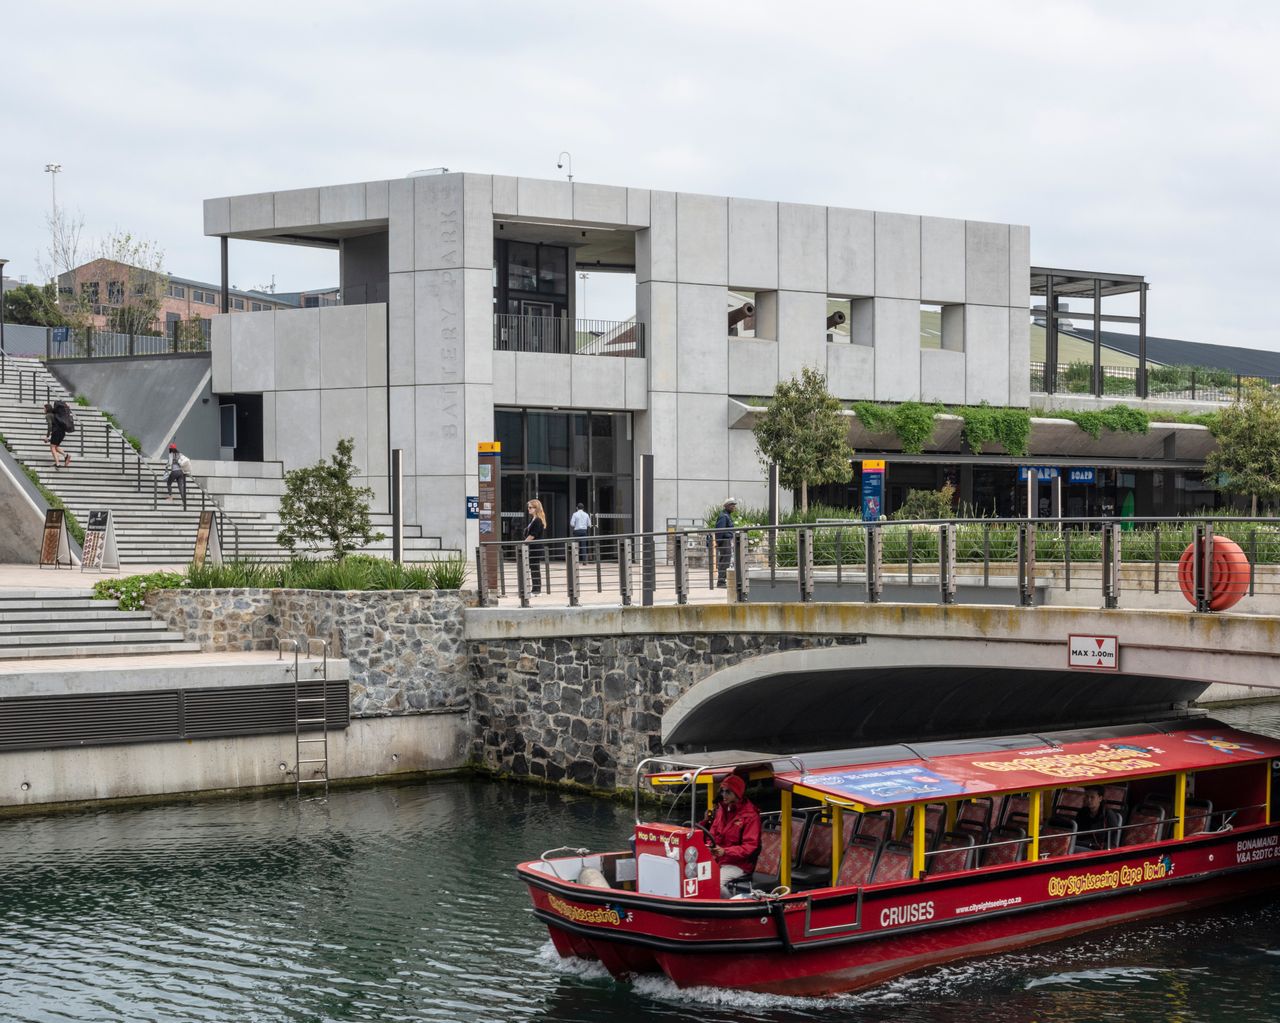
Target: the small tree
pixel 1247 460
pixel 928 504
pixel 33 305
pixel 805 435
pixel 321 506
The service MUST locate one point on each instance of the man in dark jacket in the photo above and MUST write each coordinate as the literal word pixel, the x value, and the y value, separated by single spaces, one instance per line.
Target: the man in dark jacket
pixel 724 540
pixel 735 833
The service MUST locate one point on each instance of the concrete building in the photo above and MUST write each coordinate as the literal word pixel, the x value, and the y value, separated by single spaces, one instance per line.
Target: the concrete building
pixel 478 339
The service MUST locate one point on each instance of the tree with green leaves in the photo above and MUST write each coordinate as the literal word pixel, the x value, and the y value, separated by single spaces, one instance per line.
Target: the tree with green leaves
pixel 322 507
pixel 33 305
pixel 804 433
pixel 1247 459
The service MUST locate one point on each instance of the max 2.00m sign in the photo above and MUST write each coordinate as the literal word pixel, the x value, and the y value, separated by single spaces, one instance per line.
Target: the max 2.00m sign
pixel 1097 653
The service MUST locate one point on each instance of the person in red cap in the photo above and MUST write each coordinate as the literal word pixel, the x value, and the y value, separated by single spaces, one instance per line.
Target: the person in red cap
pixel 735 833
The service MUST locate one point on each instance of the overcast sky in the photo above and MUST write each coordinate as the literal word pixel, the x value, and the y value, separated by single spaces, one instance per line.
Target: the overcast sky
pixel 1135 137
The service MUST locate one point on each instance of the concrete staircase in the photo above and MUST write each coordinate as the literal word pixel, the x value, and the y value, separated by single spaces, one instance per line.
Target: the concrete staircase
pixel 69 623
pixel 106 473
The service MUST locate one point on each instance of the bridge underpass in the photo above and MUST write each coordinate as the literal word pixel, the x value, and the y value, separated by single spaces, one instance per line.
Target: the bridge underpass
pixel 586 693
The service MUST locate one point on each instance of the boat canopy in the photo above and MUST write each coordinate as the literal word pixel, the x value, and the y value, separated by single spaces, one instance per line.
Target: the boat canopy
pixel 1092 756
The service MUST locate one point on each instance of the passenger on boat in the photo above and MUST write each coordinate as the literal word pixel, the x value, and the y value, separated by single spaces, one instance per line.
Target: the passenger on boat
pixel 1095 823
pixel 735 833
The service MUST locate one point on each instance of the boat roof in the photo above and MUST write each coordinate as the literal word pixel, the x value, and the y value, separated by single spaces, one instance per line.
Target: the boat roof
pixel 1093 756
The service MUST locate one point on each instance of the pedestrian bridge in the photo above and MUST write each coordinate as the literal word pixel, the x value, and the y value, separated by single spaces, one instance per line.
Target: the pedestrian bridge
pixel 803 676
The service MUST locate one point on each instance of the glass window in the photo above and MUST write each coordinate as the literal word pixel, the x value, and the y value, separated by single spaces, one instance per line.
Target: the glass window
pixel 602 457
pixel 548 440
pixel 115 292
pixel 522 266
pixel 581 445
pixel 509 432
pixel 553 274
pixel 237 303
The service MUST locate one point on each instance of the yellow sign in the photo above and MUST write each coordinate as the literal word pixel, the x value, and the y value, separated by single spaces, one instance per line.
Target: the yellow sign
pixel 489 447
pixel 606 915
pixel 873 465
pixel 1109 880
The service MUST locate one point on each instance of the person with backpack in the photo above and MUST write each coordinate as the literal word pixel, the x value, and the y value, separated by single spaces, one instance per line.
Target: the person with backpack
pixel 60 423
pixel 177 466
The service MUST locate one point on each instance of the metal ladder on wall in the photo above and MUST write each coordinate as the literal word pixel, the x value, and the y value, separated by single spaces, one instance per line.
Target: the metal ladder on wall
pixel 310 753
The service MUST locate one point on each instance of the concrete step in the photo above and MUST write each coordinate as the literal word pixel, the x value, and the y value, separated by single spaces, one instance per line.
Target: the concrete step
pixel 121 624
pixel 96 650
pixel 76 614
pixel 134 637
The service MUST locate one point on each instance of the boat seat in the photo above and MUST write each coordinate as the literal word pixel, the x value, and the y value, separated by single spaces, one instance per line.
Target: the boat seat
pixel 769 862
pixel 894 863
pixel 1146 823
pixel 1058 837
pixel 1199 812
pixel 973 828
pixel 1013 847
pixel 859 860
pixel 1116 797
pixel 975 815
pixel 1016 806
pixel 954 854
pixel 934 814
pixel 877 824
pixel 1068 802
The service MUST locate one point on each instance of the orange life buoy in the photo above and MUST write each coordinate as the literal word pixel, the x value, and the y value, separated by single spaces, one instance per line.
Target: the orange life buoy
pixel 1230 573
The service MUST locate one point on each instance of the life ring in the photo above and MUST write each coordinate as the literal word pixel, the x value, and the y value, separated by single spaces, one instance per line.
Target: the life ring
pixel 1230 573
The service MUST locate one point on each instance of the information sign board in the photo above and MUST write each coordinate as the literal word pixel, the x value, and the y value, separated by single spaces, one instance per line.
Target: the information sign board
pixel 99 542
pixel 208 545
pixel 1097 653
pixel 872 489
pixel 55 545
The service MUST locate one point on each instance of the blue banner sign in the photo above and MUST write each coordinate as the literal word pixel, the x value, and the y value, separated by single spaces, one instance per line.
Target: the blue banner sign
pixel 872 490
pixel 1089 476
pixel 473 507
pixel 1043 472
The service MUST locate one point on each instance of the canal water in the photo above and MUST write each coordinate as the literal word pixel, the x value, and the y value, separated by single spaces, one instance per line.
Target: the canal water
pixel 399 903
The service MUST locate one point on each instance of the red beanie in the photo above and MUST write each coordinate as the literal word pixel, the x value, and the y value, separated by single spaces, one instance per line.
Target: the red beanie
pixel 734 784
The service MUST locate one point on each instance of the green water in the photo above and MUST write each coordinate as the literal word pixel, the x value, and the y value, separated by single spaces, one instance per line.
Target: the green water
pixel 400 903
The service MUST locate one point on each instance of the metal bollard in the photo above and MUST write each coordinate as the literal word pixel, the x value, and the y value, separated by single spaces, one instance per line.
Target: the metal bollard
pixel 1110 565
pixel 624 571
pixel 1026 564
pixel 804 563
pixel 875 564
pixel 524 581
pixel 742 583
pixel 571 574
pixel 681 561
pixel 947 562
pixel 482 579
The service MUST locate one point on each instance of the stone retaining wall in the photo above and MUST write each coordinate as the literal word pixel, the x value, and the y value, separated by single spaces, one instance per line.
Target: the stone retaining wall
pixel 588 709
pixel 405 647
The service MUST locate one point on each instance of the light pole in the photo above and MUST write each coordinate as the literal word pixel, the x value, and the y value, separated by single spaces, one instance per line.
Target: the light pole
pixel 2 350
pixel 563 160
pixel 583 278
pixel 53 170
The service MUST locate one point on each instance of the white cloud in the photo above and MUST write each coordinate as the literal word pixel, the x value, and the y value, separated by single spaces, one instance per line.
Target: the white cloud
pixel 1135 138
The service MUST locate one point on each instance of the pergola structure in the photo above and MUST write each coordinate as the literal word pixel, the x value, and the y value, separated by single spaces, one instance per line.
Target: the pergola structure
pixel 1057 284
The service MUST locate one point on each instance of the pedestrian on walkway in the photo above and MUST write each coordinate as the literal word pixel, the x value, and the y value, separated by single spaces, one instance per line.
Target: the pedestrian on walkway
pixel 724 540
pixel 58 418
pixel 177 465
pixel 534 532
pixel 580 526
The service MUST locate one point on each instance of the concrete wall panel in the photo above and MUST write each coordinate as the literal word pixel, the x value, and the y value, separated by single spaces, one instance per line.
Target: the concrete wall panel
pixel 270 412
pixel 744 458
pixel 941 260
pixel 253 212
pixel 986 336
pixel 1020 266
pixel 252 351
pixel 702 239
pixel 220 353
pixel 897 256
pixel 753 366
pixel 400 225
pixel 598 382
pixel 297 349
pixel 637 207
pixel 340 204
pixel 897 347
pixel 599 204
pixel 401 331
pixel 704 427
pixel 299 207
pixel 851 251
pixel 404 427
pixel 375 344
pixel 504 378
pixel 439 415
pixel 217 216
pixel 505 196
pixel 802 247
pixel 697 497
pixel 1019 357
pixel 986 263
pixel 637 383
pixel 438 210
pixel 376 431
pixel 656 308
pixel 298 436
pixel 543 379
pixel 702 336
pixel 664 430
pixel 942 376
pixel 547 200
pixel 478 326
pixel 344 412
pixel 343 347
pixel 438 342
pixel 656 247
pixel 477 223
pixel 802 332
pixel 851 371
pixel 377 200
pixel 753 244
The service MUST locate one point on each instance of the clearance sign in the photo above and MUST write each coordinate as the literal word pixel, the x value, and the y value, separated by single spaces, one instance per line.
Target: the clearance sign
pixel 1096 653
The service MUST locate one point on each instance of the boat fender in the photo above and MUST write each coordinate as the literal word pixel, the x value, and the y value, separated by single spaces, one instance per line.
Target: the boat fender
pixel 592 878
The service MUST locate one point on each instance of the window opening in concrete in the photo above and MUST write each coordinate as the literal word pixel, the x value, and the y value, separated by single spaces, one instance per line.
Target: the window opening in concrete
pixel 741 316
pixel 839 319
pixel 941 327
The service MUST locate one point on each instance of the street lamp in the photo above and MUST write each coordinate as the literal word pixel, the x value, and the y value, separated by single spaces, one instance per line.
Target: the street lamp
pixel 2 351
pixel 53 170
pixel 583 278
pixel 565 159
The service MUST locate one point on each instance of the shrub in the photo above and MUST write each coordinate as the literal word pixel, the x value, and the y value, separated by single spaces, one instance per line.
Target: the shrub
pixel 928 504
pixel 131 591
pixel 323 507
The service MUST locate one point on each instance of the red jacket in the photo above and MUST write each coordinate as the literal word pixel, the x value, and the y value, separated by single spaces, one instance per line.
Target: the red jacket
pixel 737 832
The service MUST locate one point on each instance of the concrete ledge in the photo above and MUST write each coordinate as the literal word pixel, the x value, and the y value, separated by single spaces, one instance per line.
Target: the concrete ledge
pixel 370 748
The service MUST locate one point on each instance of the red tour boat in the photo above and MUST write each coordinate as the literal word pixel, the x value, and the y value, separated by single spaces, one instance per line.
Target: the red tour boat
pixel 877 862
